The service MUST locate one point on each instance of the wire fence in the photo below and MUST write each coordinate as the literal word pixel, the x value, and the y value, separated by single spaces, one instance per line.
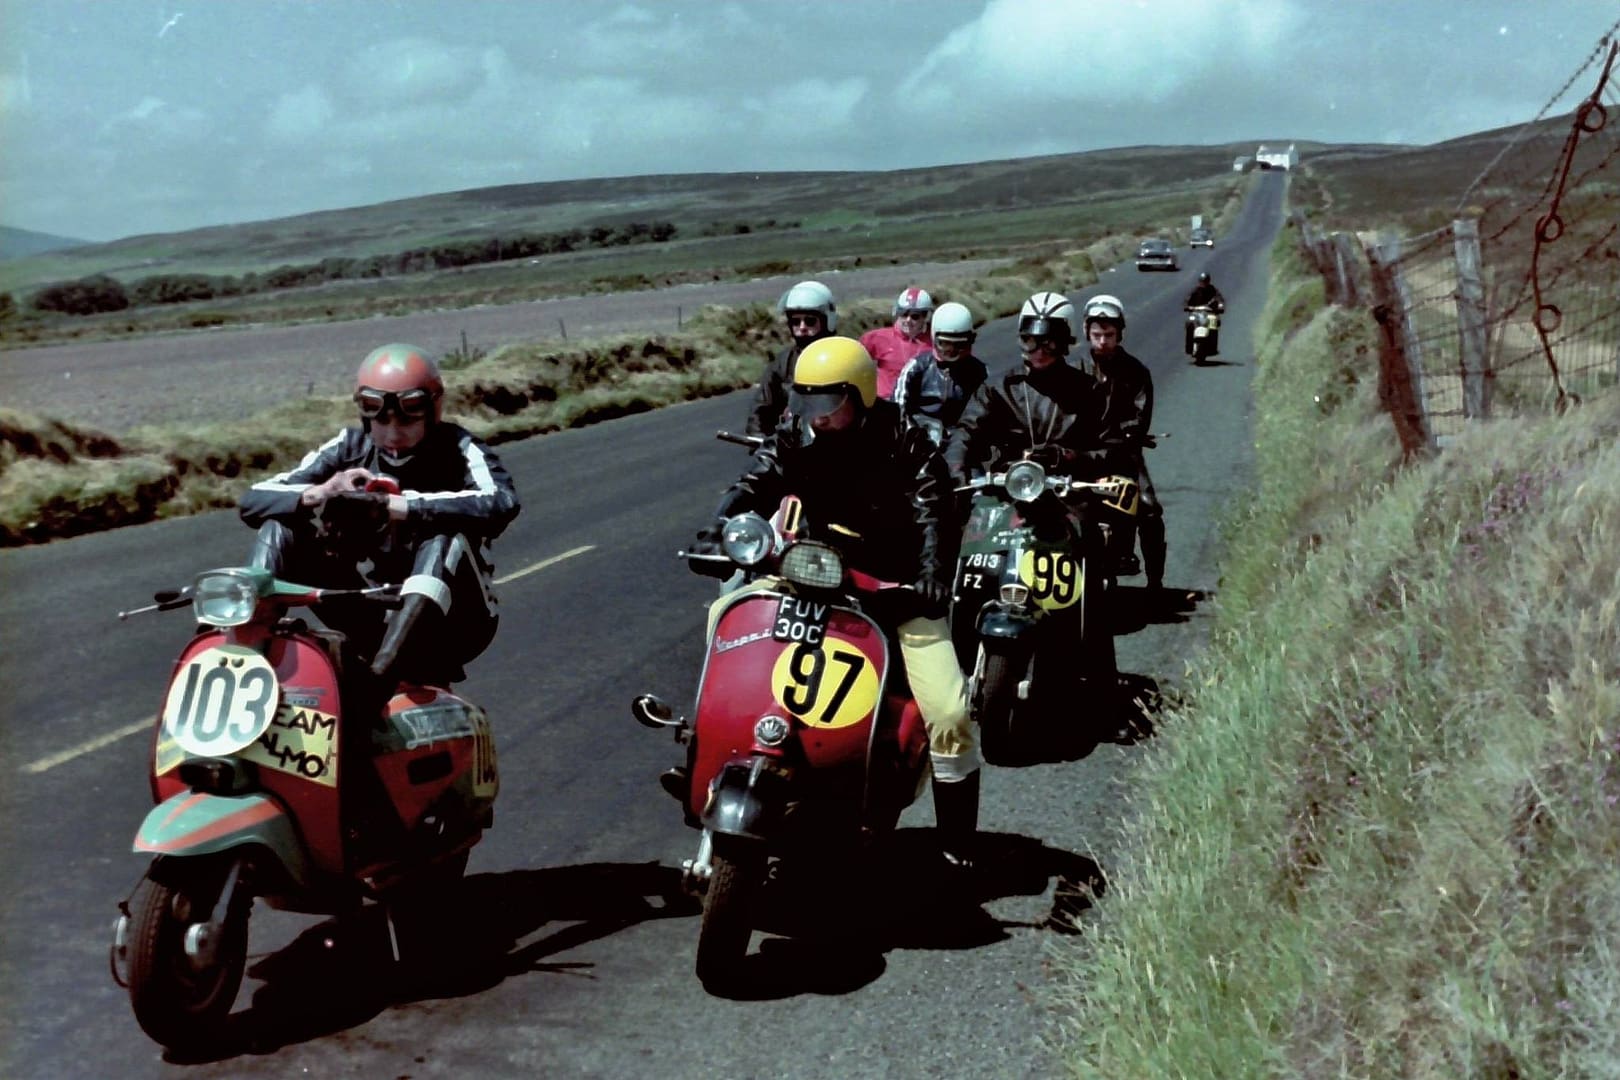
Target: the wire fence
pixel 1513 306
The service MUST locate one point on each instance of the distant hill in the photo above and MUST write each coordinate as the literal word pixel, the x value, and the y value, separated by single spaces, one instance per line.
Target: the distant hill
pixel 20 243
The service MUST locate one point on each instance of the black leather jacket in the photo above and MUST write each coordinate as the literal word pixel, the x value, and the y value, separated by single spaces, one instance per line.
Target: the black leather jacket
pixel 1205 296
pixel 452 483
pixel 771 392
pixel 1059 408
pixel 939 391
pixel 1125 387
pixel 886 483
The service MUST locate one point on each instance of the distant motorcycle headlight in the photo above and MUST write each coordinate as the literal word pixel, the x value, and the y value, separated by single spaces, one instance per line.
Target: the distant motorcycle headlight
pixel 224 597
pixel 747 539
pixel 816 566
pixel 771 730
pixel 1025 481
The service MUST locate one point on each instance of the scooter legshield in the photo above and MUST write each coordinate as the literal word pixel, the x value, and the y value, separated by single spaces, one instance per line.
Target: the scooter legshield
pixel 830 691
pixel 197 823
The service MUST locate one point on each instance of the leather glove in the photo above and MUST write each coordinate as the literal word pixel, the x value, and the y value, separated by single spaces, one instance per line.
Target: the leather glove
pixel 934 594
pixel 707 542
pixel 352 514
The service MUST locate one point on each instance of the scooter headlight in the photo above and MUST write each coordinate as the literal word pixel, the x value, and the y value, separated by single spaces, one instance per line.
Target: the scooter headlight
pixel 224 597
pixel 1025 481
pixel 816 566
pixel 747 539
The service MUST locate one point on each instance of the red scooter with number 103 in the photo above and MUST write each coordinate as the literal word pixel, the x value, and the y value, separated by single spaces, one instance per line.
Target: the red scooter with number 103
pixel 272 779
pixel 805 738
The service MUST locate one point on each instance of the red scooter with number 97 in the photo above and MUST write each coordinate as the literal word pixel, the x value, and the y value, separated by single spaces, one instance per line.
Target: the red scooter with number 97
pixel 805 738
pixel 275 777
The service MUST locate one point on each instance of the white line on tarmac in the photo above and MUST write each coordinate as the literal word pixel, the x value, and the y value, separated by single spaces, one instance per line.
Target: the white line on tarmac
pixel 127 730
pixel 543 563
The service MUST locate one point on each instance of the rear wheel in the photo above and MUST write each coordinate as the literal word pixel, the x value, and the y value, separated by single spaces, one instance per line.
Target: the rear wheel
pixel 728 912
pixel 181 997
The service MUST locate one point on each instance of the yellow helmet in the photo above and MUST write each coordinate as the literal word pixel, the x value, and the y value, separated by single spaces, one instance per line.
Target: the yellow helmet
pixel 837 363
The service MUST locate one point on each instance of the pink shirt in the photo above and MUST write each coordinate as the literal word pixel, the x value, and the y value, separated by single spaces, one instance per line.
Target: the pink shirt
pixel 892 352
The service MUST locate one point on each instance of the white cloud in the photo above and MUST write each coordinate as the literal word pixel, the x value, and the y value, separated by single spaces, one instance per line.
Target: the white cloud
pixel 299 115
pixel 413 71
pixel 16 94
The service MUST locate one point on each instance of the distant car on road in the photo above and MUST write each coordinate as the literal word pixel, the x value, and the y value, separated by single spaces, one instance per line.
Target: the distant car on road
pixel 1201 238
pixel 1157 254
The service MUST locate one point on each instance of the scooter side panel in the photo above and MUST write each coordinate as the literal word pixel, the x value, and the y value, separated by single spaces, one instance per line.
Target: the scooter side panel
pixel 435 747
pixel 196 823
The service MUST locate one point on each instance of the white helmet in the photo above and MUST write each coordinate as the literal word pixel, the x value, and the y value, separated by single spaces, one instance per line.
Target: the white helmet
pixel 952 320
pixel 1107 308
pixel 811 296
pixel 913 299
pixel 1048 314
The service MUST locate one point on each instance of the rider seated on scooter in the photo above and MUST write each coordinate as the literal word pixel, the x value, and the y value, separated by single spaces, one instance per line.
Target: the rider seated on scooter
pixel 848 457
pixel 318 525
pixel 935 385
pixel 1126 386
pixel 1203 295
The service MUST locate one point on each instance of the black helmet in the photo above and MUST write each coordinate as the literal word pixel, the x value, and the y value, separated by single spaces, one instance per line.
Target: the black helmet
pixel 1203 277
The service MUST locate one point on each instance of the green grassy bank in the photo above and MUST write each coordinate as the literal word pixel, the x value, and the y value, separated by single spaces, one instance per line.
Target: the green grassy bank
pixel 1378 836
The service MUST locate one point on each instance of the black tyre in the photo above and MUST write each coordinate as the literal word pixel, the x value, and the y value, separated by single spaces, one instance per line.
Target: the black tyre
pixel 728 912
pixel 995 700
pixel 182 1003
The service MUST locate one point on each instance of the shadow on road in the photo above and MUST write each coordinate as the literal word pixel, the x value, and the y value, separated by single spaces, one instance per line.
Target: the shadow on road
pixel 1135 607
pixel 1217 363
pixel 1062 732
pixel 839 926
pixel 341 972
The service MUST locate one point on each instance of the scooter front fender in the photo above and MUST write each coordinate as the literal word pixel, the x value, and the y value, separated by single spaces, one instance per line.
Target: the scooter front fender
pixel 199 823
pixel 742 801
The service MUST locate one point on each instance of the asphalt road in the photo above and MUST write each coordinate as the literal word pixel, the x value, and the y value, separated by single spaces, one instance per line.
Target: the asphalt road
pixel 587 969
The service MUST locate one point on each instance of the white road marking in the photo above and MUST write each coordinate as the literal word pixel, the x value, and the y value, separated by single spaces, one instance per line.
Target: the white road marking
pixel 85 747
pixel 127 730
pixel 543 563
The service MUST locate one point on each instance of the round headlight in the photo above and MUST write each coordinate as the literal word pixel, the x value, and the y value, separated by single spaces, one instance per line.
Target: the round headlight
pixel 771 730
pixel 747 539
pixel 1025 481
pixel 224 598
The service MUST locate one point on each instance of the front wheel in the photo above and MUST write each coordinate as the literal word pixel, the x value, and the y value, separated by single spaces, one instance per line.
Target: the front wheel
pixel 995 699
pixel 728 912
pixel 183 975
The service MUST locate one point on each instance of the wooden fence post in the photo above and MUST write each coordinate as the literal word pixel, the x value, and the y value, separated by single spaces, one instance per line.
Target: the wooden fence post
pixel 1344 249
pixel 1400 383
pixel 1476 370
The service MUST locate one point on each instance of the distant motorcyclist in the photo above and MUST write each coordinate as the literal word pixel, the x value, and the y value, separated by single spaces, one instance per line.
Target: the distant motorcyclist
pixel 935 385
pixel 811 315
pixel 891 347
pixel 320 526
pixel 1203 295
pixel 851 461
pixel 1126 419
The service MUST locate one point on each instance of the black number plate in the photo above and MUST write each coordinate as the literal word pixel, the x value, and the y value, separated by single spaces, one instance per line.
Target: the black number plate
pixel 799 620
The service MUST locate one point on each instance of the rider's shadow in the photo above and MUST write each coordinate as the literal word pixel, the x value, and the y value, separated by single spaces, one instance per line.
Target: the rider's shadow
pixel 1074 731
pixel 340 973
pixel 1135 607
pixel 841 925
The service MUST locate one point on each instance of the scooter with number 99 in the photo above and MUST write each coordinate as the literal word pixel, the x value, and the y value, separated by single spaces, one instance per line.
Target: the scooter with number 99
pixel 1031 606
pixel 282 770
pixel 805 739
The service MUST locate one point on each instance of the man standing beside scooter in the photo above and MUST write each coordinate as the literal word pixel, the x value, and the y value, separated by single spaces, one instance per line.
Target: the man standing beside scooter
pixel 1126 388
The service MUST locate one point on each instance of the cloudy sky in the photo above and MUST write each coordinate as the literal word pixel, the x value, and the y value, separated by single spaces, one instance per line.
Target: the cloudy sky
pixel 120 117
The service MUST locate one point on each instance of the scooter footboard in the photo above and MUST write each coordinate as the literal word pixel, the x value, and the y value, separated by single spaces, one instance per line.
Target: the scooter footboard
pixel 199 823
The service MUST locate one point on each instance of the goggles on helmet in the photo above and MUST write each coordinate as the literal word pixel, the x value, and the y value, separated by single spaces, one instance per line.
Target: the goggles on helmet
pixel 413 404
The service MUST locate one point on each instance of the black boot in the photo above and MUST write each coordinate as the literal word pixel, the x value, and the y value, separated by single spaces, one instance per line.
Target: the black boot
pixel 401 651
pixel 956 818
pixel 1151 531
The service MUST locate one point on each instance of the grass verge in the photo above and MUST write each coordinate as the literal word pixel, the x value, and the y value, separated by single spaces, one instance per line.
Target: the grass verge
pixel 1378 836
